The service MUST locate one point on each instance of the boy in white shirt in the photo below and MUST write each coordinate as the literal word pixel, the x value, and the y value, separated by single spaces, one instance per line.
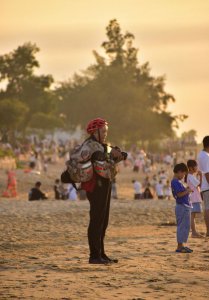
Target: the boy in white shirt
pixel 203 163
pixel 194 183
pixel 137 189
pixel 159 190
pixel 167 190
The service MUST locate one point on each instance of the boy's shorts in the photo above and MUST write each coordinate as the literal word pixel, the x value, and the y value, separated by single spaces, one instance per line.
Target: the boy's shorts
pixel 205 197
pixel 197 207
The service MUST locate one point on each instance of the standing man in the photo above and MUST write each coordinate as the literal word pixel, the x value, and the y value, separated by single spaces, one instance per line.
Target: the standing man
pixel 203 162
pixel 98 189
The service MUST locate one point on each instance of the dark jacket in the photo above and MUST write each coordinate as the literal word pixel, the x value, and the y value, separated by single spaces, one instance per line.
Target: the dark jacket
pixel 36 194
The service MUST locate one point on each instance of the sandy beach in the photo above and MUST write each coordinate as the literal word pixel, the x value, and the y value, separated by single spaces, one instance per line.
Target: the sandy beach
pixel 44 251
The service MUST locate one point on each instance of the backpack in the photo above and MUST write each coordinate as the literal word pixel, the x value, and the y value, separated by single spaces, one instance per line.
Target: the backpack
pixel 79 167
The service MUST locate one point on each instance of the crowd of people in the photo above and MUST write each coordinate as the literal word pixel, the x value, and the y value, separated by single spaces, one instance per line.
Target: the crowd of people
pixel 156 186
pixel 34 155
pixel 61 192
pixel 156 183
pixel 195 174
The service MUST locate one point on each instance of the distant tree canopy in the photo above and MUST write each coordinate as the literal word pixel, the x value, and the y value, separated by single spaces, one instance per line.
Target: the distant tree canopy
pixel 121 90
pixel 189 137
pixel 116 87
pixel 25 94
pixel 11 114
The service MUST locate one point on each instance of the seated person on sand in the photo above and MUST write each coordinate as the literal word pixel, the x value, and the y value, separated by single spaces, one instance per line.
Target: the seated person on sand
pixel 36 194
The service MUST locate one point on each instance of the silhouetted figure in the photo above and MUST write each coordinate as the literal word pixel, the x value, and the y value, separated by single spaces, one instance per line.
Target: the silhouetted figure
pixel 147 194
pixel 57 190
pixel 36 194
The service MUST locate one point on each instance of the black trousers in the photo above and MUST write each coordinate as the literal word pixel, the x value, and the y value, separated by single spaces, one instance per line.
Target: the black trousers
pixel 99 216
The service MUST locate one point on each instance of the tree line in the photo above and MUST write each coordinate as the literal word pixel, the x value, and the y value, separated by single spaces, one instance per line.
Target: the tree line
pixel 116 87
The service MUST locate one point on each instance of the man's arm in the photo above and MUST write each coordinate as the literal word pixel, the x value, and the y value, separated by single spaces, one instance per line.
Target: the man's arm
pixel 98 155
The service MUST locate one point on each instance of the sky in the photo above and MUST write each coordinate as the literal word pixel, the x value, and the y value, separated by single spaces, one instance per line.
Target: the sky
pixel 172 35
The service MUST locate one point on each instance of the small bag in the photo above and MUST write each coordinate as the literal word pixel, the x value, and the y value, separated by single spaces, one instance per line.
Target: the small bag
pixel 105 169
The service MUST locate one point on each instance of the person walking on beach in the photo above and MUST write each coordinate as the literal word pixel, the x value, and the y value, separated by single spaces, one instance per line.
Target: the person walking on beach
pixel 194 183
pixel 98 190
pixel 11 190
pixel 203 163
pixel 183 207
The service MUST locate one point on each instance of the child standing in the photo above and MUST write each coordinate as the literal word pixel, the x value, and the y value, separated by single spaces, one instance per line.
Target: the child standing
pixel 168 192
pixel 183 207
pixel 159 190
pixel 57 190
pixel 194 183
pixel 137 189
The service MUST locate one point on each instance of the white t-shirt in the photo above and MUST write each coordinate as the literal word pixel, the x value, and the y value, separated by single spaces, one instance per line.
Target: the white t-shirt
pixel 167 190
pixel 159 189
pixel 203 163
pixel 72 193
pixel 193 183
pixel 163 178
pixel 137 187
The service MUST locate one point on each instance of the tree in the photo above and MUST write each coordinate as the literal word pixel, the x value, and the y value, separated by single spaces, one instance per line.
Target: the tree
pixel 121 90
pixel 11 114
pixel 45 121
pixel 17 69
pixel 189 137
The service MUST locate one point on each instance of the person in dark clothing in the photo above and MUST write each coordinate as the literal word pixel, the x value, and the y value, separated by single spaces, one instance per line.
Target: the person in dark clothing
pixel 99 216
pixel 36 193
pixel 98 191
pixel 57 192
pixel 147 193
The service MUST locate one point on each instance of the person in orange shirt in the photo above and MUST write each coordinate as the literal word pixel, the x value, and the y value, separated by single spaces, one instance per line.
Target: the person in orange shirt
pixel 11 190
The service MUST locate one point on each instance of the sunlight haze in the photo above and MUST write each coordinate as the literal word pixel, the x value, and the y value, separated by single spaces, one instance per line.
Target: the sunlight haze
pixel 171 35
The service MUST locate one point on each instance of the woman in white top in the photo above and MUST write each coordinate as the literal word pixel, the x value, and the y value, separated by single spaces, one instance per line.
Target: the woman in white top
pixel 194 183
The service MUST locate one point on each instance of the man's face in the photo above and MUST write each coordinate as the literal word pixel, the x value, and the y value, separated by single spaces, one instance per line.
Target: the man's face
pixel 102 135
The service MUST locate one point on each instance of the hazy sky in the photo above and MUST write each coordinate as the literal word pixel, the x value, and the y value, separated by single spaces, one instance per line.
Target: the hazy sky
pixel 172 35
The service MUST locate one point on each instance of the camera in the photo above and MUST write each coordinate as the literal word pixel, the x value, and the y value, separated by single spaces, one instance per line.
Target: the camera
pixel 124 154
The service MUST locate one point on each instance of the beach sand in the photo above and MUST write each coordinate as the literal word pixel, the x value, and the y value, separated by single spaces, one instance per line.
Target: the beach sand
pixel 44 250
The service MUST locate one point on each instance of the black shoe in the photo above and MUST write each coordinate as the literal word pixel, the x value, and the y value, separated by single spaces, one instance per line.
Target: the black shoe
pixel 110 260
pixel 98 261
